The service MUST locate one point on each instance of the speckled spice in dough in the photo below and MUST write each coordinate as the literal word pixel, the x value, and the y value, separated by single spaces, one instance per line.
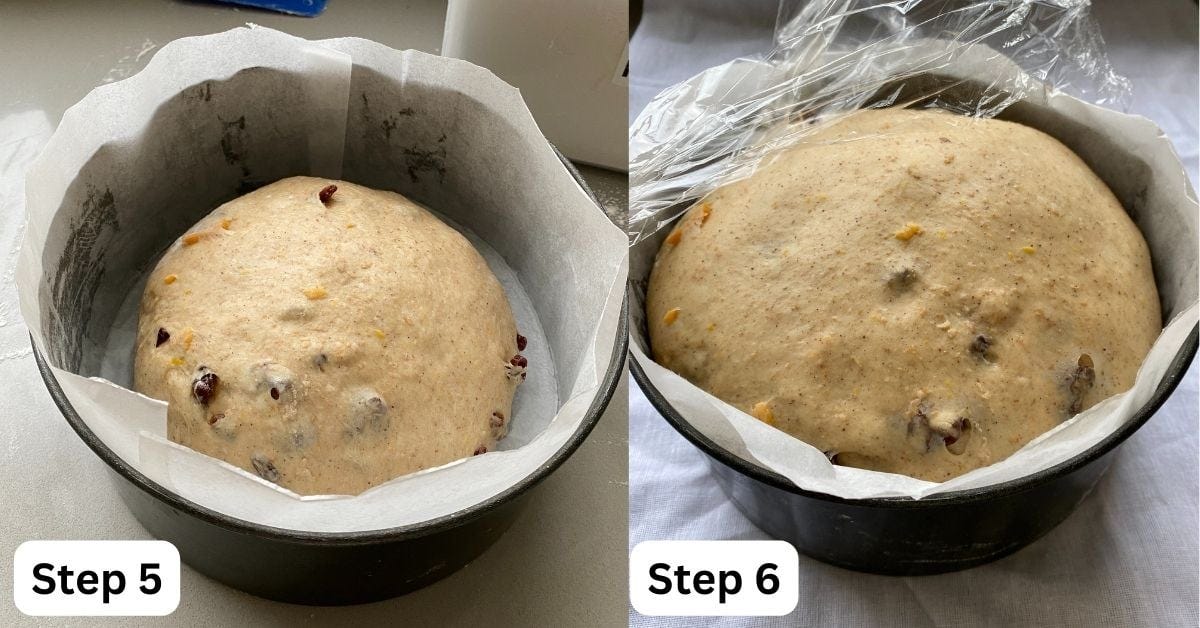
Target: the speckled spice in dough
pixel 909 291
pixel 328 346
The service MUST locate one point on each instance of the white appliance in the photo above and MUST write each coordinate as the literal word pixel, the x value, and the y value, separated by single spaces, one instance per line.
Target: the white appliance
pixel 569 58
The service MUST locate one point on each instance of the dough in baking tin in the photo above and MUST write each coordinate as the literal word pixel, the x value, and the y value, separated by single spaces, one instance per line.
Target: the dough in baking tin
pixel 909 291
pixel 328 340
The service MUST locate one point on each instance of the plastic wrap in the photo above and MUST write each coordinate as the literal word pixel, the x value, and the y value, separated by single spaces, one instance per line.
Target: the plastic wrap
pixel 1038 63
pixel 838 56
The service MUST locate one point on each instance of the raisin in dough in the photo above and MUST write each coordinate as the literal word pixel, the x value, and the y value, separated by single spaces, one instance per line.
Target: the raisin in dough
pixel 909 291
pixel 328 347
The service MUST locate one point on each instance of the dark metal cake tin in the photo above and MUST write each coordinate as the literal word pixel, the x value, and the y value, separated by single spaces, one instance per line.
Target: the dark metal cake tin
pixel 948 531
pixel 328 568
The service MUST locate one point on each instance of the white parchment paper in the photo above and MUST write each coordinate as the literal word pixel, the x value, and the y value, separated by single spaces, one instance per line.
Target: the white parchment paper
pixel 1129 152
pixel 137 162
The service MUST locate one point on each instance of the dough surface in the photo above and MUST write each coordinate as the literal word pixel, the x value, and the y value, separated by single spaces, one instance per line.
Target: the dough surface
pixel 328 346
pixel 909 291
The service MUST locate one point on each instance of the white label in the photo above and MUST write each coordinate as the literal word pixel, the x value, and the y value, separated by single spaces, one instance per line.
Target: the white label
pixel 96 578
pixel 714 578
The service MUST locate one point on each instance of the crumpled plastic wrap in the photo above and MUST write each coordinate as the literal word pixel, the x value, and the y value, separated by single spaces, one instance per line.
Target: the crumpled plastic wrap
pixel 1039 63
pixel 834 57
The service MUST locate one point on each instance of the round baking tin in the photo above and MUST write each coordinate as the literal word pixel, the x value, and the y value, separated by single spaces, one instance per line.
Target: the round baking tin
pixel 909 537
pixel 326 568
pixel 960 529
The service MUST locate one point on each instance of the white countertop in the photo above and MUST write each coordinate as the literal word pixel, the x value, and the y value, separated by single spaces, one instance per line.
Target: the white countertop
pixel 563 562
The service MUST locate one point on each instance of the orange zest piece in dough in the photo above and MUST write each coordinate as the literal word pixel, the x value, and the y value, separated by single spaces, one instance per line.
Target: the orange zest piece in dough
pixel 909 231
pixel 762 412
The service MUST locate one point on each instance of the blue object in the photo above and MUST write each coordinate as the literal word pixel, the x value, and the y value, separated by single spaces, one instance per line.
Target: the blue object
pixel 306 8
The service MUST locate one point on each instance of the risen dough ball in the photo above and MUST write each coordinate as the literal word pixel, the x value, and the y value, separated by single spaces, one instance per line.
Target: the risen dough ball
pixel 327 347
pixel 909 291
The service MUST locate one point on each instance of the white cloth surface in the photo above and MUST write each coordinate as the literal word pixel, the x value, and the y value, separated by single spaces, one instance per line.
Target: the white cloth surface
pixel 1127 557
